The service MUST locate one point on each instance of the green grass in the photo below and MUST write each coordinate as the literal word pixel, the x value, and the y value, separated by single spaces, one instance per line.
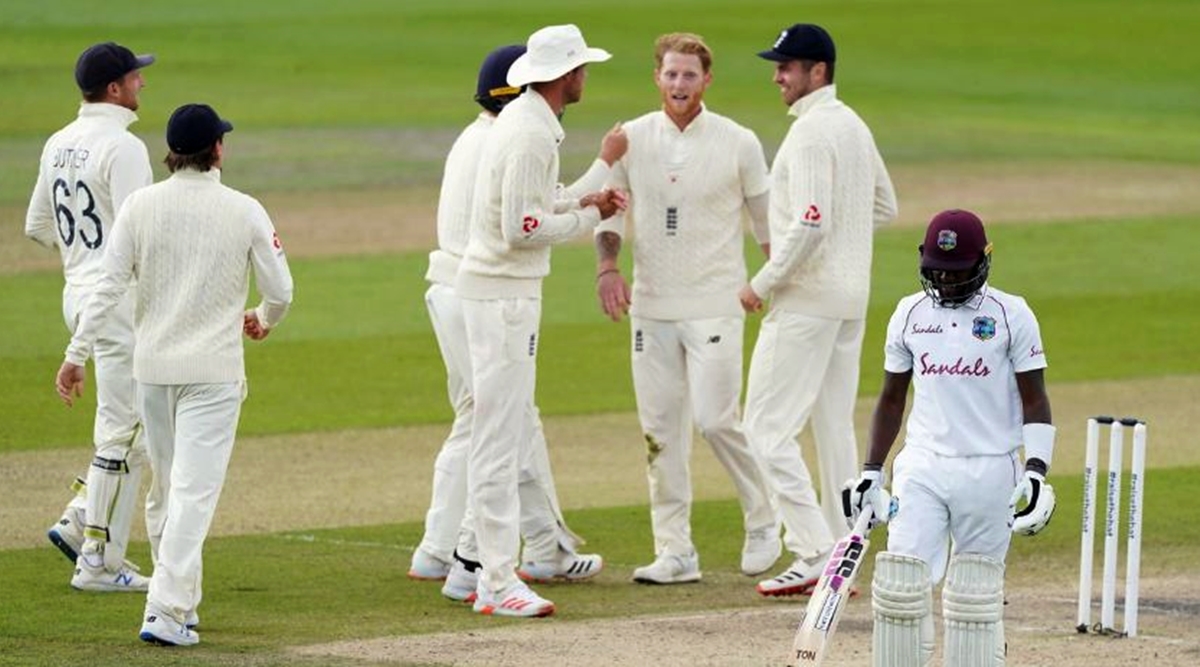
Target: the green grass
pixel 358 351
pixel 349 584
pixel 366 92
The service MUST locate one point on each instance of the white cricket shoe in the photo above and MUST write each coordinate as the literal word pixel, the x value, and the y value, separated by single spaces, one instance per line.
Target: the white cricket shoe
pixel 567 566
pixel 517 600
pixel 125 580
pixel 160 629
pixel 760 550
pixel 460 583
pixel 800 578
pixel 668 569
pixel 193 620
pixel 427 568
pixel 67 534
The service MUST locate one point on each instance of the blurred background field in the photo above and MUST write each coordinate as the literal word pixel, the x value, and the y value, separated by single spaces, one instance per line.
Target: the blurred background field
pixel 1071 126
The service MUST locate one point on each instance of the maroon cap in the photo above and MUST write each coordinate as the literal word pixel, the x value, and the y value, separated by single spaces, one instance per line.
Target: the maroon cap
pixel 955 241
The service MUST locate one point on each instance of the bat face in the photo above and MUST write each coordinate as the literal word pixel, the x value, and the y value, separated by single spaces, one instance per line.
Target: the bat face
pixel 829 598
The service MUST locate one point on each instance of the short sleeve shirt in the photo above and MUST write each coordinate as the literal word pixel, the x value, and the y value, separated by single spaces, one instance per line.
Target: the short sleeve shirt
pixel 964 363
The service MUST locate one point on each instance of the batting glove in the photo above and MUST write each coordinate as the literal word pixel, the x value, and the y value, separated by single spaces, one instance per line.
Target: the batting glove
pixel 866 494
pixel 1039 504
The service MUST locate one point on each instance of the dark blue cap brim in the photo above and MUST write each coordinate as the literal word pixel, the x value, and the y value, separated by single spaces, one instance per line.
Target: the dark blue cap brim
pixel 775 56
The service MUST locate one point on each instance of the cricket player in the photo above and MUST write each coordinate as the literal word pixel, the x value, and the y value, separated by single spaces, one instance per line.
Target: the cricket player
pixel 87 170
pixel 829 191
pixel 192 243
pixel 975 359
pixel 517 216
pixel 690 174
pixel 448 550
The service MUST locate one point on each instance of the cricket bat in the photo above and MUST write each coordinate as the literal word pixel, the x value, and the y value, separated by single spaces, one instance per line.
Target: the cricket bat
pixel 815 633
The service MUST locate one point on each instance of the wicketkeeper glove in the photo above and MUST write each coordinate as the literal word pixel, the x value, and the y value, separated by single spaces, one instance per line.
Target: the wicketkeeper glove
pixel 1039 507
pixel 866 494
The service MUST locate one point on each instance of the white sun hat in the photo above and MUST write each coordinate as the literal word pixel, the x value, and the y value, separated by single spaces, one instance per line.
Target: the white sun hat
pixel 552 52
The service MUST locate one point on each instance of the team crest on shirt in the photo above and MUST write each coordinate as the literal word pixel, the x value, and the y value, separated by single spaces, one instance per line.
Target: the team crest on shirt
pixel 984 328
pixel 947 240
pixel 811 216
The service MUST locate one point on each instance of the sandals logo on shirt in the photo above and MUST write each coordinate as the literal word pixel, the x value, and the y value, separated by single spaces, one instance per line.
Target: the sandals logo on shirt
pixel 811 217
pixel 984 328
pixel 529 224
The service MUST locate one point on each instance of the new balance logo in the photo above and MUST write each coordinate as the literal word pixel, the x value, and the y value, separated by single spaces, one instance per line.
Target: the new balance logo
pixel 124 578
pixel 713 340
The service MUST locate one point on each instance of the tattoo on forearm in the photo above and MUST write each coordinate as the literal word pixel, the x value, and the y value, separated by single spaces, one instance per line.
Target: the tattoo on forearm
pixel 608 245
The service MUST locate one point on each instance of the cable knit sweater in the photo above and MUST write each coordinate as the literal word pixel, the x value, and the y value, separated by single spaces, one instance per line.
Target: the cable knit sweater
pixel 455 201
pixel 516 213
pixel 829 189
pixel 688 190
pixel 191 243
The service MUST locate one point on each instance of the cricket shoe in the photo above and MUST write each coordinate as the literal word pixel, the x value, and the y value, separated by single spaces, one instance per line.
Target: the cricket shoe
pixel 760 550
pixel 517 600
pixel 67 534
pixel 799 579
pixel 125 580
pixel 668 569
pixel 162 630
pixel 460 583
pixel 427 568
pixel 567 566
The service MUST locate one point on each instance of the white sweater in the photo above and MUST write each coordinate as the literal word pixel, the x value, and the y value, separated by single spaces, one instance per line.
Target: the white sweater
pixel 191 243
pixel 687 192
pixel 829 189
pixel 516 213
pixel 455 201
pixel 87 170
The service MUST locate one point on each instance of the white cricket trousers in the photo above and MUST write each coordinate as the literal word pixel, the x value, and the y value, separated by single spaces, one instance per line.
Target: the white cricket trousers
pixel 687 372
pixel 502 335
pixel 940 499
pixel 542 524
pixel 804 365
pixel 112 493
pixel 190 429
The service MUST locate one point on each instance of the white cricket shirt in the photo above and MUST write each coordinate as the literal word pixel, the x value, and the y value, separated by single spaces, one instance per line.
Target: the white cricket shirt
pixel 87 170
pixel 191 243
pixel 687 192
pixel 516 213
pixel 829 190
pixel 964 363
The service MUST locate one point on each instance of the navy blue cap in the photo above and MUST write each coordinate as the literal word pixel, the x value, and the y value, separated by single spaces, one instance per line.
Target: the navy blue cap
pixel 492 91
pixel 195 127
pixel 101 64
pixel 803 41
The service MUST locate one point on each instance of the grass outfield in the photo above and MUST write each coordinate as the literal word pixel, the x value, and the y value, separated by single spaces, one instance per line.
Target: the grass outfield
pixel 284 590
pixel 364 96
pixel 358 349
pixel 349 94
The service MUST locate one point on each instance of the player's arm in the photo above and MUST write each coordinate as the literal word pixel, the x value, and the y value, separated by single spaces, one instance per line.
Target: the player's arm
pixel 271 274
pixel 128 171
pixel 810 182
pixel 885 209
pixel 527 218
pixel 612 148
pixel 888 415
pixel 39 218
pixel 612 289
pixel 755 177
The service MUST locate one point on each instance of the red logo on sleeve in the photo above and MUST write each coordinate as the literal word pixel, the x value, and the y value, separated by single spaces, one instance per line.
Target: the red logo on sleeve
pixel 275 241
pixel 813 214
pixel 529 224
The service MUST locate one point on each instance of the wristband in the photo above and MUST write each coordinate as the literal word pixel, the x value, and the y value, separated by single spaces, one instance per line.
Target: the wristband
pixel 605 272
pixel 1039 442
